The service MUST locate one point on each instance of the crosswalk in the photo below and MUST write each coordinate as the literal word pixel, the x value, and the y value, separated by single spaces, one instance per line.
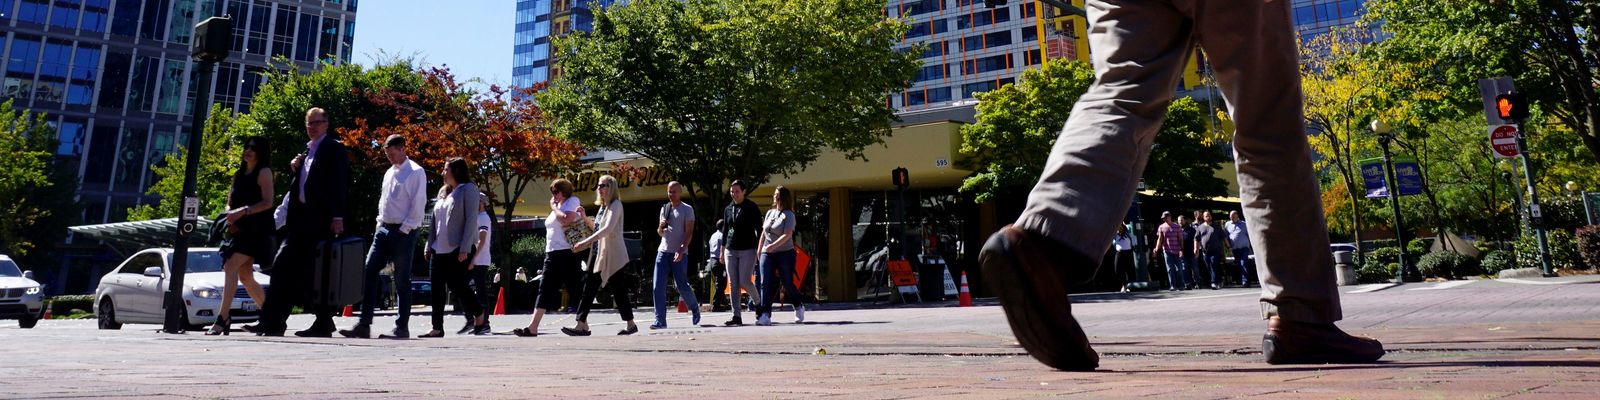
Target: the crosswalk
pixel 1446 285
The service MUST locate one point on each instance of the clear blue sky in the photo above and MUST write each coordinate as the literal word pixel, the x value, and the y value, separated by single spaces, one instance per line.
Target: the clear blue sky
pixel 472 37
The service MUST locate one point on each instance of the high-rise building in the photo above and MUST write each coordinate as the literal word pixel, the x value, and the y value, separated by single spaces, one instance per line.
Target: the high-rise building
pixel 537 22
pixel 1315 17
pixel 116 80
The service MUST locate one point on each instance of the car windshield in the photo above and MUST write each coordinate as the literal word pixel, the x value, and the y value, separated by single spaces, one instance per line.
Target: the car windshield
pixel 8 268
pixel 204 261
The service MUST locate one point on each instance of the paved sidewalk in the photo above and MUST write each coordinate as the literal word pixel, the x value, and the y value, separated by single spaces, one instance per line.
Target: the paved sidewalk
pixel 1207 347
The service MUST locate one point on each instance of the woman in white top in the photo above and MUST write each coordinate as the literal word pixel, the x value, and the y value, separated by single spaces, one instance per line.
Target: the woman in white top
pixel 478 271
pixel 608 258
pixel 777 258
pixel 560 264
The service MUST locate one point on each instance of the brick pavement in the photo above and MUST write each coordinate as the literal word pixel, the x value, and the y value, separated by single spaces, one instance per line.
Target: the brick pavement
pixel 1151 344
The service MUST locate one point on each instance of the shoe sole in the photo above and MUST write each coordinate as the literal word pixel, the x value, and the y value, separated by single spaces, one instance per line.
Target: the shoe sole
pixel 1270 350
pixel 1016 297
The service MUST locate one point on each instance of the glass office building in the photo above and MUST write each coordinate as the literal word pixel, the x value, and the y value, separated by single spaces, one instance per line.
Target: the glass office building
pixel 115 78
pixel 537 22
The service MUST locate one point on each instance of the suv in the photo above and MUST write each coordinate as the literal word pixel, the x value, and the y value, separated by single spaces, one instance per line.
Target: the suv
pixel 20 296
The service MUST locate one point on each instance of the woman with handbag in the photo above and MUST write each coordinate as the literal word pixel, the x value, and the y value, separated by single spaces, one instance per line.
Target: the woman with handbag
pixel 605 261
pixel 565 225
pixel 454 227
pixel 249 220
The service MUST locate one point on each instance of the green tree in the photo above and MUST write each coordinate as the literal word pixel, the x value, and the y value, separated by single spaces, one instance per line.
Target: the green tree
pixel 27 142
pixel 1550 47
pixel 712 90
pixel 278 113
pixel 1017 124
pixel 219 158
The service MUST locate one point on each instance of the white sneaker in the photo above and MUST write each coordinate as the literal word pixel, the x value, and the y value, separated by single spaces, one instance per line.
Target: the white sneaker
pixel 799 314
pixel 764 321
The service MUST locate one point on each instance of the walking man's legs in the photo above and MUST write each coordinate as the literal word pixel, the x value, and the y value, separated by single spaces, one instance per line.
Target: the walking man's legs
pixel 1138 49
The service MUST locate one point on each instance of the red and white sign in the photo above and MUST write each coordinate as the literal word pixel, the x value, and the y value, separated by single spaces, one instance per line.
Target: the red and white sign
pixel 1503 139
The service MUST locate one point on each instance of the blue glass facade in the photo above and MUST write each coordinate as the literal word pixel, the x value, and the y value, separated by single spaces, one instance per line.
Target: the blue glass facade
pixel 537 22
pixel 115 79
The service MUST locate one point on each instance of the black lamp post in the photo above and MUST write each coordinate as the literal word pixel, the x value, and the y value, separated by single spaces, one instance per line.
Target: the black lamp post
pixel 213 39
pixel 1408 272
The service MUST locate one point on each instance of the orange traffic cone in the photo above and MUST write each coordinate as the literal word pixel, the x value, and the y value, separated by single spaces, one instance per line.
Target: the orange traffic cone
pixel 47 312
pixel 683 306
pixel 500 304
pixel 349 311
pixel 966 296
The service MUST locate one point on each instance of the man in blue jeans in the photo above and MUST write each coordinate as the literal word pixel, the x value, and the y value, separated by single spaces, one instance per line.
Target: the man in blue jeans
pixel 676 228
pixel 400 204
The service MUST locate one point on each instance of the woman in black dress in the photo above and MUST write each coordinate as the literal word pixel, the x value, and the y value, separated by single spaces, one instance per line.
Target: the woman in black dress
pixel 250 225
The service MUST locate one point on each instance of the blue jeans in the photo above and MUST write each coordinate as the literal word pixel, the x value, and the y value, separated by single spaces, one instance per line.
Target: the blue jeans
pixel 1177 274
pixel 679 271
pixel 389 245
pixel 1247 266
pixel 777 268
pixel 1209 261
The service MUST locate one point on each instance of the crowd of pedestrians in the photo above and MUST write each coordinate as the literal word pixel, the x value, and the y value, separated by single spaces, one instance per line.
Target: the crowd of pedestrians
pixel 749 251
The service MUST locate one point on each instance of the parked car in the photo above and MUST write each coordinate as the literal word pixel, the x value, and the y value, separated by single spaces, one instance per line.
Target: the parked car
pixel 133 292
pixel 20 296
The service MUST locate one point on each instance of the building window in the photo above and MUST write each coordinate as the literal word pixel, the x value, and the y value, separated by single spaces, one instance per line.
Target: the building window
pixel 70 135
pixel 34 11
pixel 348 44
pixel 283 31
pixel 94 19
pixel 983 17
pixel 155 15
pixel 130 159
pixel 260 25
pixel 5 11
pixel 64 15
pixel 125 22
pixel 330 40
pixel 114 83
pixel 919 7
pixel 985 64
pixel 172 78
pixel 932 72
pixel 102 154
pixel 305 44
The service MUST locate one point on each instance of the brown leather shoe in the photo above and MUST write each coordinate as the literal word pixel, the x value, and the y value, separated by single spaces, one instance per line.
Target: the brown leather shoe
pixel 1294 342
pixel 1029 273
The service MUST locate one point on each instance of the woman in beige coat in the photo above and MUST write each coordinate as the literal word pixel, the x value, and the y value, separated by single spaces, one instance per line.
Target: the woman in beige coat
pixel 607 260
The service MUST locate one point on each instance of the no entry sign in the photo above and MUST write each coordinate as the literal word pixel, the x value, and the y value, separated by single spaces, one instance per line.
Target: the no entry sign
pixel 1503 139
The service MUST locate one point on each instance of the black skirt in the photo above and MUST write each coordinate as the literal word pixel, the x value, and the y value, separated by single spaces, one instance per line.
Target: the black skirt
pixel 253 239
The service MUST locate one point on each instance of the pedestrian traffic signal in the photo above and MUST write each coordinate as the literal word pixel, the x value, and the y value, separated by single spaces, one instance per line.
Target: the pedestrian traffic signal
pixel 901 177
pixel 994 3
pixel 1513 106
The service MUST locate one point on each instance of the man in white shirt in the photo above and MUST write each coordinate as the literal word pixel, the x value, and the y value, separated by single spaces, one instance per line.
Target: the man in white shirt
pixel 400 204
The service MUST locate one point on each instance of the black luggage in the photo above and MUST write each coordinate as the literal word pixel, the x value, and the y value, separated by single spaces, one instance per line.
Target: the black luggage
pixel 339 279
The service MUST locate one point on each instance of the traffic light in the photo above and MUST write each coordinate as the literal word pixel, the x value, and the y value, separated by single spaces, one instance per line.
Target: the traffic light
pixel 994 3
pixel 1513 106
pixel 213 38
pixel 901 177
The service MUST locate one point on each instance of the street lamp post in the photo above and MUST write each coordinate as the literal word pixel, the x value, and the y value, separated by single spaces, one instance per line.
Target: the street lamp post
pixel 1408 272
pixel 212 42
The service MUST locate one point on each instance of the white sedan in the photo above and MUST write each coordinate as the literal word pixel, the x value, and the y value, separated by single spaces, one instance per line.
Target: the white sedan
pixel 133 292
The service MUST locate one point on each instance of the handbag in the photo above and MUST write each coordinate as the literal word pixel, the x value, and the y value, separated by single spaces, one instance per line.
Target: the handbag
pixel 578 231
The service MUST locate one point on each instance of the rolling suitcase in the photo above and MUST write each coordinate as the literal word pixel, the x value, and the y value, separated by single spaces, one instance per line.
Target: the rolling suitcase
pixel 339 279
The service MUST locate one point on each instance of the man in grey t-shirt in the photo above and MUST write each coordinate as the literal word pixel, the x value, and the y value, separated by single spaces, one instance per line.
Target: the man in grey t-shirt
pixel 1208 249
pixel 676 227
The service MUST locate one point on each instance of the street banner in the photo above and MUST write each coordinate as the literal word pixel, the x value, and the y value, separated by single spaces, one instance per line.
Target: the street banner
pixel 1407 174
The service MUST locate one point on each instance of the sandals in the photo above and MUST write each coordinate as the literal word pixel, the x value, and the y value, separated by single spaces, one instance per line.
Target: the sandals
pixel 631 330
pixel 574 332
pixel 524 332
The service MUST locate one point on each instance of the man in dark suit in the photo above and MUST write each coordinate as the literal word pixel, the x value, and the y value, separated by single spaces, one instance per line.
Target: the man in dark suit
pixel 316 206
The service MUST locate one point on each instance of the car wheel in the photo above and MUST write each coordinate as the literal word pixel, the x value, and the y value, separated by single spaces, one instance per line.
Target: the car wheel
pixel 28 321
pixel 106 315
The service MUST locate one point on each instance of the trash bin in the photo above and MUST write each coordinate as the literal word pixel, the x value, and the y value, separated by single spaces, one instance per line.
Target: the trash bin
pixel 1344 268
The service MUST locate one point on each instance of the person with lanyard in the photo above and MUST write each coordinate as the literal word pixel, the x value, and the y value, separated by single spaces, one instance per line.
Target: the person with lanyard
pixel 739 252
pixel 676 228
